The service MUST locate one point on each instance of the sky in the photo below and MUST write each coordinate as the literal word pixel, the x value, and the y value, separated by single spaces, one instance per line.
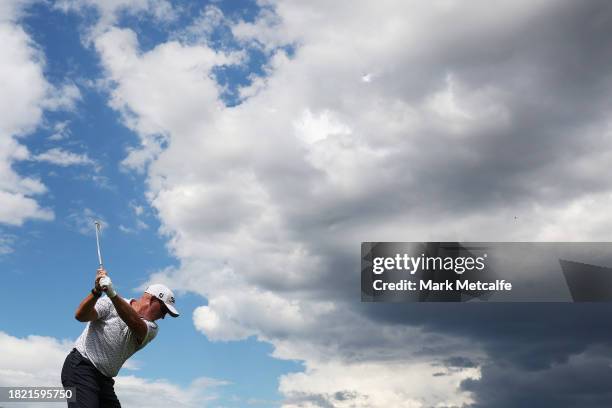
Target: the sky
pixel 241 151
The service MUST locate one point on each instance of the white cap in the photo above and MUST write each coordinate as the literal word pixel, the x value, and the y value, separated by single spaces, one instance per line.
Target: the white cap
pixel 163 293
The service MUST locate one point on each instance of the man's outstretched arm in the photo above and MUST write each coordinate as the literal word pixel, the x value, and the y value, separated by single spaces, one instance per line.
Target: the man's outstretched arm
pixel 125 311
pixel 130 317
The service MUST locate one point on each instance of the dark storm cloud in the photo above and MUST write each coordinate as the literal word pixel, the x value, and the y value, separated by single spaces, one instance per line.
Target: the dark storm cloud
pixel 531 336
pixel 585 382
pixel 552 75
pixel 461 362
pixel 556 71
pixel 556 76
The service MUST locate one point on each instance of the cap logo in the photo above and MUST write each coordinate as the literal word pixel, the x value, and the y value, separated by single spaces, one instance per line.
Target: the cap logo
pixel 171 299
pixel 161 295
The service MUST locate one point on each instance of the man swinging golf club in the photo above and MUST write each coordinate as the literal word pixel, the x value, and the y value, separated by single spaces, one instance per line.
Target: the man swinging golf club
pixel 116 329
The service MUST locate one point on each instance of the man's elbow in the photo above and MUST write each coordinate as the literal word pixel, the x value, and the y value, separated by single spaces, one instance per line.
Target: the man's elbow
pixel 83 317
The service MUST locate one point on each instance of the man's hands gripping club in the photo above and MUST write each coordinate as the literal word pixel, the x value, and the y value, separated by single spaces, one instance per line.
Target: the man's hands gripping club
pixel 104 283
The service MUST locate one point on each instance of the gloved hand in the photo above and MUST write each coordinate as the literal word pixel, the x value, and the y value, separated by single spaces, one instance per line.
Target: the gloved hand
pixel 100 273
pixel 107 286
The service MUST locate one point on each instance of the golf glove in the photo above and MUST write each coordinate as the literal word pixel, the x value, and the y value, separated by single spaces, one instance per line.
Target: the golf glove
pixel 107 286
pixel 100 273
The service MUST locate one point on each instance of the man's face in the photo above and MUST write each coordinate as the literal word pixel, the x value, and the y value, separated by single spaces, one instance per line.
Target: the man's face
pixel 158 308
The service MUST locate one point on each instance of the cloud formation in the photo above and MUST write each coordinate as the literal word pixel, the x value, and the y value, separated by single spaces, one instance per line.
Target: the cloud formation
pixel 82 221
pixel 397 121
pixel 107 13
pixel 34 361
pixel 63 158
pixel 24 90
pixel 26 95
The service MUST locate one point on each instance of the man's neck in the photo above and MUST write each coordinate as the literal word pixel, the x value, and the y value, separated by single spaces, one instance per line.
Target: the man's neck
pixel 137 306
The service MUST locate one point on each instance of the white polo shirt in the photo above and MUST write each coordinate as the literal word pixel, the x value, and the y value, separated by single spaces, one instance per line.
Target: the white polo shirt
pixel 108 342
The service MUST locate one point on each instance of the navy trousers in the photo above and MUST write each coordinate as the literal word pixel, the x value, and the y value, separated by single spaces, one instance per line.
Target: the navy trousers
pixel 93 389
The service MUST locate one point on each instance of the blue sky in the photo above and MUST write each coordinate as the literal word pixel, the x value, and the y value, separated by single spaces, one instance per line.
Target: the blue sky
pixel 241 151
pixel 54 261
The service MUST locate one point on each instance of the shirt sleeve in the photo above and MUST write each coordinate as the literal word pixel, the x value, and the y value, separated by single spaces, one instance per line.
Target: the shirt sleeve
pixel 152 329
pixel 103 307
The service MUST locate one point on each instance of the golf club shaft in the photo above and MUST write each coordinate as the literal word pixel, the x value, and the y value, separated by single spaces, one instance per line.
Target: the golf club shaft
pixel 98 245
pixel 98 242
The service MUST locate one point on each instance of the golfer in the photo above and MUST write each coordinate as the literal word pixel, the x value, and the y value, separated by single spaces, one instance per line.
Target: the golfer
pixel 117 329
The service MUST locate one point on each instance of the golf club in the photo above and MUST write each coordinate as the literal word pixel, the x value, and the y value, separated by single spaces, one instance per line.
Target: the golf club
pixel 98 228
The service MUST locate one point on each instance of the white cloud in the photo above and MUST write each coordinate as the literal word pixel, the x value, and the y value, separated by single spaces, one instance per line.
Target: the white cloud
pixel 63 98
pixel 82 221
pixel 313 128
pixel 63 158
pixel 25 95
pixel 200 30
pixel 17 207
pixel 109 12
pixel 265 203
pixel 61 131
pixel 133 390
pixel 24 89
pixel 12 10
pixel 126 230
pixel 359 385
pixel 367 78
pixel 38 361
pixel 195 94
pixel 139 224
pixel 138 209
pixel 32 360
